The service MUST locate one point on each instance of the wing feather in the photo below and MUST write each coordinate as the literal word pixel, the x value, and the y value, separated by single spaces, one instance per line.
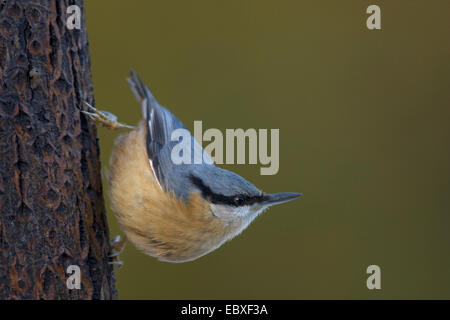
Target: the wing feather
pixel 160 124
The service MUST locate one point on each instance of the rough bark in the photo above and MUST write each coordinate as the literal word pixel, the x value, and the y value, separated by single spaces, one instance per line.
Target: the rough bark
pixel 52 213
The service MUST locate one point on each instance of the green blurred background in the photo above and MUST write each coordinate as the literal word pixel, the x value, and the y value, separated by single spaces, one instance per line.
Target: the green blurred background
pixel 364 133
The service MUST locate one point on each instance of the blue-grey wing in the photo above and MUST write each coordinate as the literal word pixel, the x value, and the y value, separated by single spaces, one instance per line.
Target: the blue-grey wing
pixel 161 124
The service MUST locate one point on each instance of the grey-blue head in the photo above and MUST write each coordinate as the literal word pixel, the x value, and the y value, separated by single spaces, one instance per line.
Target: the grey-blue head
pixel 223 187
pixel 230 196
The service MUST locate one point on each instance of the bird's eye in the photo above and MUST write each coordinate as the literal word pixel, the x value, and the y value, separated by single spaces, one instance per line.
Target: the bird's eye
pixel 239 200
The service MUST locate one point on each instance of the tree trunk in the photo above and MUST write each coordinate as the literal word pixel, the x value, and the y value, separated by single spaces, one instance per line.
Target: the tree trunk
pixel 52 213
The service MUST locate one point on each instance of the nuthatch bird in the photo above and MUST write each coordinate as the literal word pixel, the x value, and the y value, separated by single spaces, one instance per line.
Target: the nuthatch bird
pixel 174 212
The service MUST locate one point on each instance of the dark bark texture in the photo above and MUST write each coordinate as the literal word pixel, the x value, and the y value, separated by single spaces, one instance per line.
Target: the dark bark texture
pixel 52 213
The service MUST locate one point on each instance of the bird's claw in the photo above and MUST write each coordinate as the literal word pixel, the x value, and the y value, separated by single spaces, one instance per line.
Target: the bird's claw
pixel 104 118
pixel 117 246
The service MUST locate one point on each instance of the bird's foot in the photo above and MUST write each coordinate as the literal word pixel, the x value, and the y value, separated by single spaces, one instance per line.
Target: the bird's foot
pixel 104 118
pixel 117 246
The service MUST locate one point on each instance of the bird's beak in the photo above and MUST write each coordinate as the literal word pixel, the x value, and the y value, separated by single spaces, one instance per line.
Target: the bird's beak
pixel 271 199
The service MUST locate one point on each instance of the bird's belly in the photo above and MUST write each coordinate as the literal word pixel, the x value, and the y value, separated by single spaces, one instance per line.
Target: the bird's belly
pixel 153 220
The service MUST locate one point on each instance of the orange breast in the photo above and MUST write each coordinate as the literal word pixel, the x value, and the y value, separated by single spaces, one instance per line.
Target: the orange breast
pixel 156 221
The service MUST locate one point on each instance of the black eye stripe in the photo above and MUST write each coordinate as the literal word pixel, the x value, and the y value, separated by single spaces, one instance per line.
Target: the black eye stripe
pixel 208 194
pixel 216 198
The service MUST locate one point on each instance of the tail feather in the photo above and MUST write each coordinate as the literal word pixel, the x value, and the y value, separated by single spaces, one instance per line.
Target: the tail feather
pixel 160 124
pixel 142 94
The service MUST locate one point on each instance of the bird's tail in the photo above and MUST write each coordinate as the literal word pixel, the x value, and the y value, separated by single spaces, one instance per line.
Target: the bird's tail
pixel 142 94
